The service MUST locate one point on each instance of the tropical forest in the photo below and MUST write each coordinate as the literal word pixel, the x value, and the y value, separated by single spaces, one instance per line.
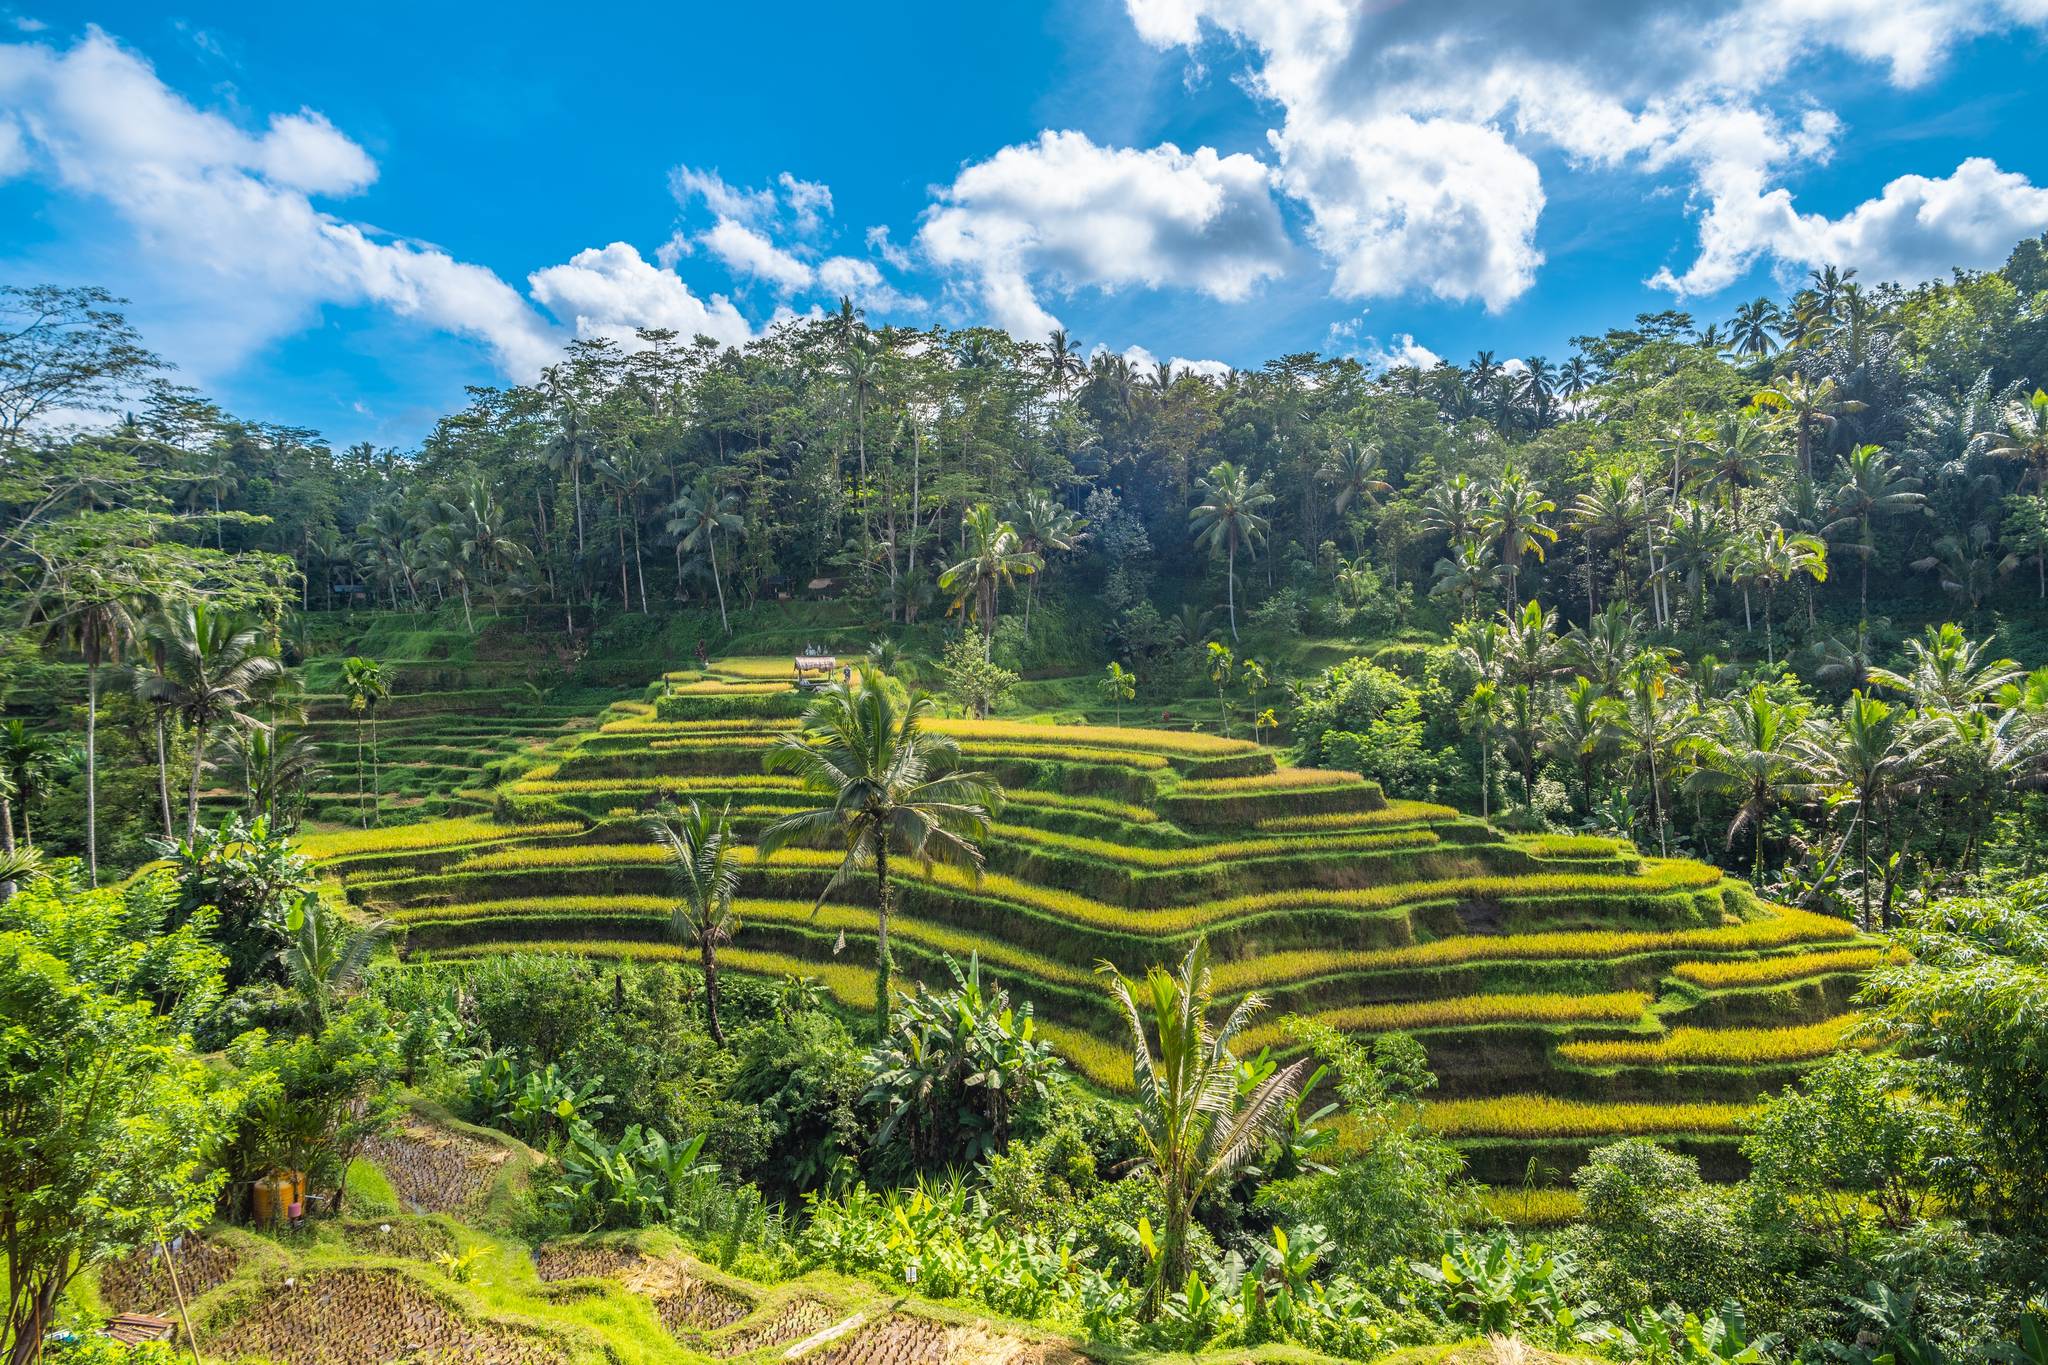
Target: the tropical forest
pixel 889 844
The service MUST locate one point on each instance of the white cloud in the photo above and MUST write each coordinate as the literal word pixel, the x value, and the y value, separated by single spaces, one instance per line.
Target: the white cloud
pixel 228 238
pixel 1401 350
pixel 745 206
pixel 1412 132
pixel 892 255
pixel 1916 229
pixel 1207 369
pixel 304 151
pixel 808 200
pixel 1073 215
pixel 750 253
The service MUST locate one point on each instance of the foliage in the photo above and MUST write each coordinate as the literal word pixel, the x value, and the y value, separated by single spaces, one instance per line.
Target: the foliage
pixel 108 1122
pixel 252 879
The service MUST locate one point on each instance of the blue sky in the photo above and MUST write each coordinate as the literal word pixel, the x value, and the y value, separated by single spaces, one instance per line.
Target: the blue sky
pixel 339 218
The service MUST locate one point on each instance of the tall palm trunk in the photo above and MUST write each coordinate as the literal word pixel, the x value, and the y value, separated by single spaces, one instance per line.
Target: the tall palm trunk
pixel 639 571
pixel 163 774
pixel 710 959
pixel 362 793
pixel 717 582
pixel 1230 586
pixel 884 965
pixel 376 786
pixel 192 787
pixel 92 767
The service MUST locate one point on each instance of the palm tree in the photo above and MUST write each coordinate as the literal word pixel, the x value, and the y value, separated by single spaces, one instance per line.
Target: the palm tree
pixel 1229 516
pixel 993 555
pixel 325 956
pixel 1871 487
pixel 569 451
pixel 1196 1127
pixel 1359 479
pixel 1752 754
pixel 362 680
pixel 1779 558
pixel 632 477
pixel 704 872
pixel 1607 514
pixel 697 517
pixel 215 667
pixel 473 543
pixel 1062 361
pixel 892 790
pixel 1948 671
pixel 272 768
pixel 1813 406
pixel 1514 523
pixel 89 608
pixel 1967 565
pixel 1574 377
pixel 1866 754
pixel 26 756
pixel 1455 509
pixel 153 688
pixel 1468 573
pixel 1581 735
pixel 1480 715
pixel 1737 455
pixel 1696 548
pixel 1119 685
pixel 1047 528
pixel 2023 437
pixel 1652 725
pixel 1753 332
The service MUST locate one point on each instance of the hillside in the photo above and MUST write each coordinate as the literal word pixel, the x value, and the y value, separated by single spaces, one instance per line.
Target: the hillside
pixel 1568 989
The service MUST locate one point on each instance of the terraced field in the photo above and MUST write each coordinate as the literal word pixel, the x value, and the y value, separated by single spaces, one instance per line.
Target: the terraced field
pixel 1569 989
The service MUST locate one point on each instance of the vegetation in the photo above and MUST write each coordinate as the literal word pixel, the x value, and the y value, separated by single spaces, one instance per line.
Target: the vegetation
pixel 1628 789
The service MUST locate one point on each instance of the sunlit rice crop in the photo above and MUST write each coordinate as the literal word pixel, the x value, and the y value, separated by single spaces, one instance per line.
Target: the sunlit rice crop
pixel 1202 854
pixel 1393 813
pixel 1546 1116
pixel 1283 779
pixel 1771 971
pixel 1192 744
pixel 1094 805
pixel 1716 1046
pixel 427 835
pixel 1541 1208
pixel 715 688
pixel 1616 1007
pixel 738 782
pixel 1782 925
pixel 1074 753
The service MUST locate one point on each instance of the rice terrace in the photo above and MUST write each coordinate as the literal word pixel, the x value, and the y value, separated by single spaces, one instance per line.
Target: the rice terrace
pixel 1127 681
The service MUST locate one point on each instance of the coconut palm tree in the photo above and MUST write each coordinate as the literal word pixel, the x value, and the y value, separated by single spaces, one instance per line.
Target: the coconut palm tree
pixel 1814 407
pixel 993 555
pixel 362 681
pixel 1867 753
pixel 1228 518
pixel 704 874
pixel 892 790
pixel 1948 671
pixel 1608 514
pixel 1515 509
pixel 1119 685
pixel 1480 715
pixel 1581 735
pixel 1358 479
pixel 273 769
pixel 1738 454
pixel 1751 752
pixel 1777 559
pixel 26 756
pixel 1062 361
pixel 1753 332
pixel 153 688
pixel 1455 509
pixel 472 543
pixel 325 956
pixel 88 605
pixel 215 667
pixel 1695 547
pixel 1967 564
pixel 1469 572
pixel 696 518
pixel 1047 528
pixel 1197 1128
pixel 1872 487
pixel 2023 436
